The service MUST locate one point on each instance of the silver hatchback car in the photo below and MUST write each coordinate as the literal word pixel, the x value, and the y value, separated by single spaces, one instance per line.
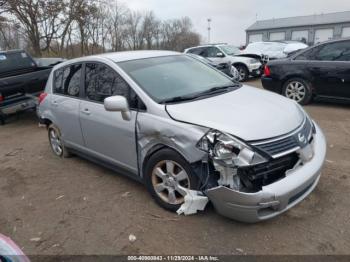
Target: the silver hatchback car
pixel 186 130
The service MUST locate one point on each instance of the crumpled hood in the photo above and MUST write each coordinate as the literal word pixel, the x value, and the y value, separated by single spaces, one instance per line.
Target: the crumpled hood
pixel 248 113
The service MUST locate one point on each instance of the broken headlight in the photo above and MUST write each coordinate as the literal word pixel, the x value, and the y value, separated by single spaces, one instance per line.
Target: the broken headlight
pixel 228 149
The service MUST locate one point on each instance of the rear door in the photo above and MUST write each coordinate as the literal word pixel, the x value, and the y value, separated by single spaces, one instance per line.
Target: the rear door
pixel 106 134
pixel 65 103
pixel 330 67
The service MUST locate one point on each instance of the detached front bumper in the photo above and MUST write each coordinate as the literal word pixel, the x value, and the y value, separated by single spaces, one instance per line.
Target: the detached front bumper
pixel 275 198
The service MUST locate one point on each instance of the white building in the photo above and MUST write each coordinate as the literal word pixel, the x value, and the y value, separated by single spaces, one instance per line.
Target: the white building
pixel 311 29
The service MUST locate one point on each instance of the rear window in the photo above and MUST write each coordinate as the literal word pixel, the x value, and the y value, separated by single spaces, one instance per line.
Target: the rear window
pixel 14 61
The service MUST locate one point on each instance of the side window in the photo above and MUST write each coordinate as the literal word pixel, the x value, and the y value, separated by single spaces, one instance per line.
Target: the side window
pixel 67 80
pixel 57 82
pixel 197 51
pixel 213 52
pixel 339 51
pixel 308 54
pixel 101 82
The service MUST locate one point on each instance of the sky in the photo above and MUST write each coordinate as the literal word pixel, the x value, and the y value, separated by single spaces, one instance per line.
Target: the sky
pixel 230 18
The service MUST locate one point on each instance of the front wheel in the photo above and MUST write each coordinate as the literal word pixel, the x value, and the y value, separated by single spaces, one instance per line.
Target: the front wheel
pixel 298 90
pixel 243 72
pixel 167 176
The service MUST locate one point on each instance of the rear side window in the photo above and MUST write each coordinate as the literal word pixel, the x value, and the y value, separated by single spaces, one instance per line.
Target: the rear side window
pixel 67 80
pixel 101 82
pixel 198 51
pixel 308 54
pixel 339 51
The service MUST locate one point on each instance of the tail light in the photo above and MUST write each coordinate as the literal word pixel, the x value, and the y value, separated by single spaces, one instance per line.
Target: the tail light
pixel 267 71
pixel 1 97
pixel 42 97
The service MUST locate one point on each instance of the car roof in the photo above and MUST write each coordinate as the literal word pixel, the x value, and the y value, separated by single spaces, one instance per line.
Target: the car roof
pixel 119 57
pixel 135 55
pixel 207 45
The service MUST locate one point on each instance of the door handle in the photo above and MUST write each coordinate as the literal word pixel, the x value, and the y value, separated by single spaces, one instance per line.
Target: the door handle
pixel 86 111
pixel 55 103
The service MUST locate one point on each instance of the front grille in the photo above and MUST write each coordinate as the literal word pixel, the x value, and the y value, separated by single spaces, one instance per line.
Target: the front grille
pixel 286 144
pixel 255 177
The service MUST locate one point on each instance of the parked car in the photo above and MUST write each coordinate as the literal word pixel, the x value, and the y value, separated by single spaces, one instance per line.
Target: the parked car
pixel 21 79
pixel 226 68
pixel 319 71
pixel 273 50
pixel 49 61
pixel 187 131
pixel 223 53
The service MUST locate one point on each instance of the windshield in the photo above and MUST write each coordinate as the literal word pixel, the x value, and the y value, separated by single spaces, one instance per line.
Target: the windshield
pixel 230 49
pixel 166 78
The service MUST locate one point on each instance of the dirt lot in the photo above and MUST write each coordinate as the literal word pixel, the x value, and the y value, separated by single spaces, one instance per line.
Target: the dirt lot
pixel 71 206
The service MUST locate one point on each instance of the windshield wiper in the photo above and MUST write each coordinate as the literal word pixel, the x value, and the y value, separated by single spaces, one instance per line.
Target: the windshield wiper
pixel 213 90
pixel 178 99
pixel 218 89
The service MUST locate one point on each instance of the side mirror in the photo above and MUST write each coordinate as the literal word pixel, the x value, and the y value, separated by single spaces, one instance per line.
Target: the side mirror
pixel 220 54
pixel 118 104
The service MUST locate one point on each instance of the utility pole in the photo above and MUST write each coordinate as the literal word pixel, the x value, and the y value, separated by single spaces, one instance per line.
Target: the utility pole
pixel 209 28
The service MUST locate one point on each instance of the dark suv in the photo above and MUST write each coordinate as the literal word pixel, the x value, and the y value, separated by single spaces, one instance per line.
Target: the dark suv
pixel 319 71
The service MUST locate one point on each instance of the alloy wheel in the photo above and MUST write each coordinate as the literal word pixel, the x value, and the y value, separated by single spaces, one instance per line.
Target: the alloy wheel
pixel 242 74
pixel 295 91
pixel 55 142
pixel 169 181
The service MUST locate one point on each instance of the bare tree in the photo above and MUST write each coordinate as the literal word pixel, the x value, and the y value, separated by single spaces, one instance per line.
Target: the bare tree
pixel 79 27
pixel 39 18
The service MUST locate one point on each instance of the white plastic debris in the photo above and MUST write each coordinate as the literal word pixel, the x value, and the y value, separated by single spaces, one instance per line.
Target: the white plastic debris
pixel 59 197
pixel 240 250
pixel 126 194
pixel 194 201
pixel 132 238
pixel 35 239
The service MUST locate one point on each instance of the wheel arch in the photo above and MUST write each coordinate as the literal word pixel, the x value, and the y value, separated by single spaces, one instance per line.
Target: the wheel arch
pixel 240 64
pixel 45 121
pixel 300 76
pixel 154 149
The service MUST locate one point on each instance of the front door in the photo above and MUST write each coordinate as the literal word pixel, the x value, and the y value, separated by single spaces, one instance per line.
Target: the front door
pixel 106 134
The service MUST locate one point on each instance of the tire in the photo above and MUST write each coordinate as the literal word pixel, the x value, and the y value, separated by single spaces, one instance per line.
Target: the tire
pixel 56 142
pixel 243 72
pixel 160 177
pixel 298 90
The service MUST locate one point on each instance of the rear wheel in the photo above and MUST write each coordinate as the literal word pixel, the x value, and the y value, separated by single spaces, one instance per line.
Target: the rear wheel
pixel 243 72
pixel 167 176
pixel 298 90
pixel 56 142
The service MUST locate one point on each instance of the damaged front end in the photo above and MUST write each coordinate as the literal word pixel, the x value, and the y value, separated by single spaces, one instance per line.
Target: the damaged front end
pixel 228 155
pixel 247 184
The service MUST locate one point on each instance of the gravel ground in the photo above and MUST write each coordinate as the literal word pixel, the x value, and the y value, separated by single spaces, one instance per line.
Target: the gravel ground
pixel 71 206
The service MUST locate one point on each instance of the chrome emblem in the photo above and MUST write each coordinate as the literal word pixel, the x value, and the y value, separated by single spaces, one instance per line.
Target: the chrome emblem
pixel 301 138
